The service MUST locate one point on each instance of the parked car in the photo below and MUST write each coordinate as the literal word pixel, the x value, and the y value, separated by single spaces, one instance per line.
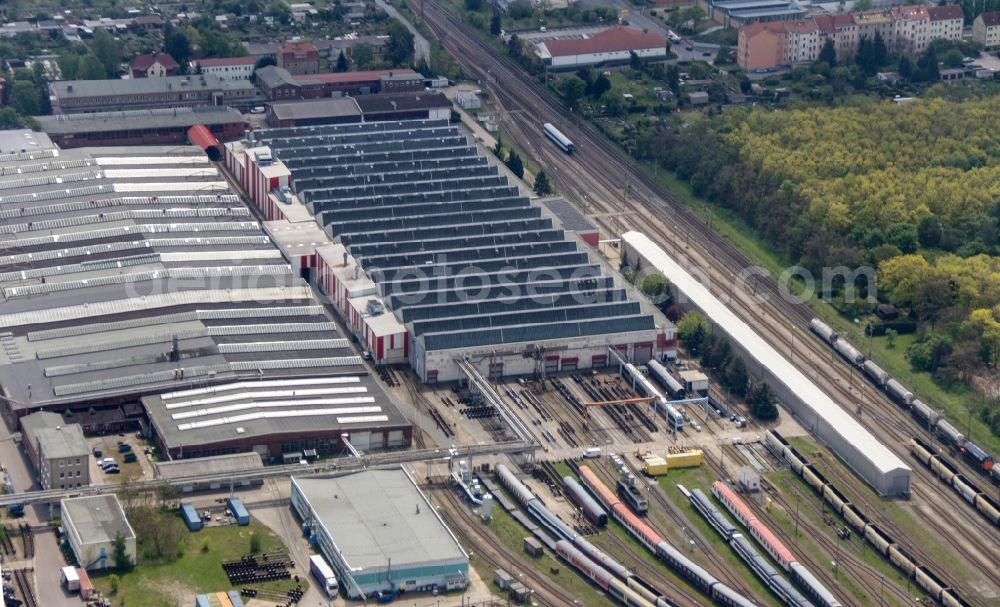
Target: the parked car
pixel 98 453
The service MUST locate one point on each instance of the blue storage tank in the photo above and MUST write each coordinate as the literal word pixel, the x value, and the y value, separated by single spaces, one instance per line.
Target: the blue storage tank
pixel 190 516
pixel 239 511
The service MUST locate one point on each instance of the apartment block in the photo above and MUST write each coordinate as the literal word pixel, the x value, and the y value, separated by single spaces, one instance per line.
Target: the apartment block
pixel 57 450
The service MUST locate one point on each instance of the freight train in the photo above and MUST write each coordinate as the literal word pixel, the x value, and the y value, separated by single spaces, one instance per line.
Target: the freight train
pixel 897 392
pixel 602 569
pixel 675 559
pixel 781 587
pixel 947 472
pixel 773 546
pixel 885 545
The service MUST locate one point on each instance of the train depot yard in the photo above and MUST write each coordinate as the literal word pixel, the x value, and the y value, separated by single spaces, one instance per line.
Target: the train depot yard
pixel 343 364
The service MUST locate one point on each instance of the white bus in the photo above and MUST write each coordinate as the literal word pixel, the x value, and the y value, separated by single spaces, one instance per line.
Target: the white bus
pixel 323 574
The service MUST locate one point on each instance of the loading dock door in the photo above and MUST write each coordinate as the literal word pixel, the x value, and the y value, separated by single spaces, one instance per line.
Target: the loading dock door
pixel 551 364
pixel 599 360
pixel 569 364
pixel 496 371
pixel 643 353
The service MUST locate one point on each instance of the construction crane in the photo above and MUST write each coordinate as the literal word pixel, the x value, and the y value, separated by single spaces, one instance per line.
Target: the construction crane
pixel 639 400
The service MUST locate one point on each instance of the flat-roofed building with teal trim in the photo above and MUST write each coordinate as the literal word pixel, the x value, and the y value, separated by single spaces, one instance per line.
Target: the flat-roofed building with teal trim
pixel 380 533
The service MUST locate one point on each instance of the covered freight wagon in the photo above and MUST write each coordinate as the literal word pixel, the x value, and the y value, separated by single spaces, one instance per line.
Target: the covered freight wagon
pixel 238 511
pixel 190 516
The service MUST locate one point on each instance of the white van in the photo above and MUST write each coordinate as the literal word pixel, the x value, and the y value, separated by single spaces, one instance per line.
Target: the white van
pixel 592 453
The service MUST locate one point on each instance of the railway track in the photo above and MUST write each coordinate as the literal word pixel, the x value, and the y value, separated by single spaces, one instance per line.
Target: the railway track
pixel 28 539
pixel 631 557
pixel 719 567
pixel 528 105
pixel 7 544
pixel 489 549
pixel 23 583
pixel 869 578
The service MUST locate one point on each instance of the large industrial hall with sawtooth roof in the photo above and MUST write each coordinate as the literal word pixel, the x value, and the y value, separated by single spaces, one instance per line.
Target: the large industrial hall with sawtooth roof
pixel 458 253
pixel 131 272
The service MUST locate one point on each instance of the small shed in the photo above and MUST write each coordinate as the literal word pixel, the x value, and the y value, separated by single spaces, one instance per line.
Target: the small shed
pixel 468 100
pixel 886 311
pixel 749 479
pixel 191 518
pixel 238 511
pixel 694 381
pixel 533 547
pixel 502 579
pixel 698 98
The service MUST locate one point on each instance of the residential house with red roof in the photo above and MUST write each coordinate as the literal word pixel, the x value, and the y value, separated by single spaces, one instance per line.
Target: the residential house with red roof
pixel 986 29
pixel 153 65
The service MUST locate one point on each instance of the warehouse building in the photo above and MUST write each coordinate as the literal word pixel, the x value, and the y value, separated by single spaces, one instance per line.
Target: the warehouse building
pixel 131 272
pixel 613 45
pixel 435 256
pixel 57 450
pixel 380 533
pixel 814 408
pixel 278 84
pixel 229 470
pixel 79 96
pixel 140 127
pixel 363 108
pixel 92 524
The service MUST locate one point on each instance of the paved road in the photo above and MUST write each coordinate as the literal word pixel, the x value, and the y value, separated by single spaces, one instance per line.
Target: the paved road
pixel 421 48
pixel 48 562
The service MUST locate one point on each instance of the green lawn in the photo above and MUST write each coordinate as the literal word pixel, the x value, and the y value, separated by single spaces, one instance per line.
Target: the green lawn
pixel 199 569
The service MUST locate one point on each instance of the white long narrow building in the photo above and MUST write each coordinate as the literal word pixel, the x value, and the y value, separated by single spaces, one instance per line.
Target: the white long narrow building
pixel 827 420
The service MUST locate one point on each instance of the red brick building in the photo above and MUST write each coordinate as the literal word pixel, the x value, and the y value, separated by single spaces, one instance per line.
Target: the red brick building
pixel 299 58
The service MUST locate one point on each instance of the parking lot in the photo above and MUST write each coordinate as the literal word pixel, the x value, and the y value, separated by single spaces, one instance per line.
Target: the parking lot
pixel 110 448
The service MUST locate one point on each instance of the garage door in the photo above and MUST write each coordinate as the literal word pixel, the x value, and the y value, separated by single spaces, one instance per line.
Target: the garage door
pixel 569 364
pixel 599 360
pixel 496 370
pixel 552 364
pixel 360 440
pixel 643 353
pixel 377 441
pixel 395 438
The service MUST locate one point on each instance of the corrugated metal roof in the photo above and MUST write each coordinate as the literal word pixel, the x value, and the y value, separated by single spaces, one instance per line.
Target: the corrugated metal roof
pixel 849 430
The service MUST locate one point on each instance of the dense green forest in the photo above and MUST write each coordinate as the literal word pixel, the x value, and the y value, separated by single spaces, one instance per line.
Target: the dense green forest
pixel 910 189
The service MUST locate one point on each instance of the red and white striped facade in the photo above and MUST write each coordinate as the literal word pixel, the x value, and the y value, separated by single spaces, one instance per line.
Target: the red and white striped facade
pixel 349 290
pixel 259 175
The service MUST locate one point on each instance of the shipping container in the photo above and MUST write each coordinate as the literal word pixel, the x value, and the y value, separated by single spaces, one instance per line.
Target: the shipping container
pixel 86 586
pixel 238 511
pixel 190 516
pixel 685 459
pixel 533 547
pixel 502 579
pixel 654 466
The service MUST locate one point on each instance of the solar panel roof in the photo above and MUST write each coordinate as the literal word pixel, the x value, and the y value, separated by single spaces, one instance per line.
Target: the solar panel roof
pixel 426 213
